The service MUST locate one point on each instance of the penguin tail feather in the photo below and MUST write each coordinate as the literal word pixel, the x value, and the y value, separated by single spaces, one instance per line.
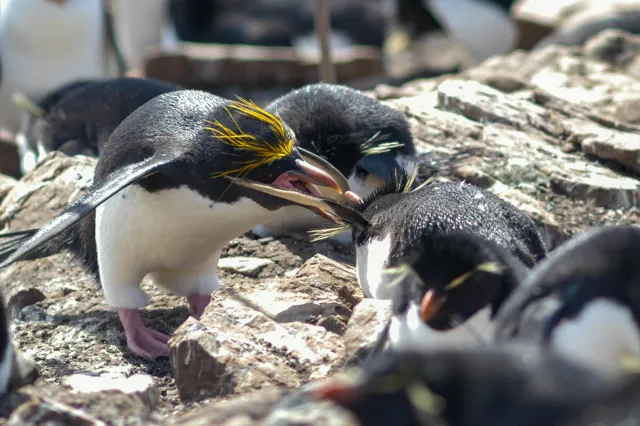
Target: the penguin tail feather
pixel 11 241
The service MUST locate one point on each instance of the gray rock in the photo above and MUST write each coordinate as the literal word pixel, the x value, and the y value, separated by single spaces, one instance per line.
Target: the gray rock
pixel 249 266
pixel 6 184
pixel 19 297
pixel 365 326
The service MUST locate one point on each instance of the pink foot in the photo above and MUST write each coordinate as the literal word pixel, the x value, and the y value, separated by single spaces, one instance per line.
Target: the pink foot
pixel 198 303
pixel 142 341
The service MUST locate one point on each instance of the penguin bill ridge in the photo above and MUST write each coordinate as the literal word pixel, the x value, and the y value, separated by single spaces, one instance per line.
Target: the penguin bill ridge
pixel 160 207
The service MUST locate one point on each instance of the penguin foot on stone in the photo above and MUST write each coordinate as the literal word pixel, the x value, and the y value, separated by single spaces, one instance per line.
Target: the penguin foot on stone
pixel 197 304
pixel 142 340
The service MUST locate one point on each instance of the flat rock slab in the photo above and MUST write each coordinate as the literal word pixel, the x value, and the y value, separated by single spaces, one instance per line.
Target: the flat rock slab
pixel 249 266
pixel 266 337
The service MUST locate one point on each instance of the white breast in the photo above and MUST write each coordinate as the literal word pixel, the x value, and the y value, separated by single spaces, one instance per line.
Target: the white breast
pixel 483 28
pixel 371 259
pixel 600 337
pixel 408 332
pixel 176 235
pixel 44 45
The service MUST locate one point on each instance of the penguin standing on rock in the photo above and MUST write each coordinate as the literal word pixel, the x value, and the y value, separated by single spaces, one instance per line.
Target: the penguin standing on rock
pixel 390 222
pixel 159 204
pixel 364 139
pixel 449 292
pixel 583 302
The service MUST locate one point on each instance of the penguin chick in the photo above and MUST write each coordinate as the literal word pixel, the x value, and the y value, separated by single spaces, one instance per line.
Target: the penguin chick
pixel 159 204
pixel 462 388
pixel 583 302
pixel 29 138
pixel 82 121
pixel 364 139
pixel 449 291
pixel 389 223
pixel 16 370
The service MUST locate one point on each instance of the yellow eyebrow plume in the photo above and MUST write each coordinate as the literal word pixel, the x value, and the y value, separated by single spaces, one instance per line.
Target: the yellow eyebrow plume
pixel 264 153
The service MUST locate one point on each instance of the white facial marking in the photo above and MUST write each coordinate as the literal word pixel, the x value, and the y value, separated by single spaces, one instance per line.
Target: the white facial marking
pixel 6 367
pixel 175 235
pixel 371 259
pixel 408 332
pixel 600 337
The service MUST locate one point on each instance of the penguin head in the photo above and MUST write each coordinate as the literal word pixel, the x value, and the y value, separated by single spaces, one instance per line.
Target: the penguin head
pixel 363 138
pixel 265 155
pixel 448 277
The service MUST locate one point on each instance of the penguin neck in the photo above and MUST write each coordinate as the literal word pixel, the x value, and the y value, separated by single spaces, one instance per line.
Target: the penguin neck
pixel 408 332
pixel 601 336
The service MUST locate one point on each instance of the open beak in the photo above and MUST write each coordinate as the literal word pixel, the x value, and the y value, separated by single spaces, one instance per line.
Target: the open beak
pixel 320 163
pixel 430 305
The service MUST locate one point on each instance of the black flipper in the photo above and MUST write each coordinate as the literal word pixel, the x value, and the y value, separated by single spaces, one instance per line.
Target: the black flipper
pixel 96 195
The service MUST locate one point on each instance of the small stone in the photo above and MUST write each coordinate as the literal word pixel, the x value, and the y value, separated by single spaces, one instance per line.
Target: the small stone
pixel 32 313
pixel 41 411
pixel 141 385
pixel 334 324
pixel 249 266
pixel 602 191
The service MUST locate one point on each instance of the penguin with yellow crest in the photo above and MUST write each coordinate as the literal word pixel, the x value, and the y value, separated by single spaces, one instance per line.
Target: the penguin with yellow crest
pixel 159 205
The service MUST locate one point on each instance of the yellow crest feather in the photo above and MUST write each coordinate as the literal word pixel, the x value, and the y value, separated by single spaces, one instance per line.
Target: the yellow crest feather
pixel 265 153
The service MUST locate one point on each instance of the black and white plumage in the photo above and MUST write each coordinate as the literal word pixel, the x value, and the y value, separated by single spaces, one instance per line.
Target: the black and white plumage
pixel 79 118
pixel 33 122
pixel 389 223
pixel 160 206
pixel 15 369
pixel 463 388
pixel 583 302
pixel 448 291
pixel 364 139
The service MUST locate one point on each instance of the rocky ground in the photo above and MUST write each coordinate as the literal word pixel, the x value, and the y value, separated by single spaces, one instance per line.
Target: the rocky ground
pixel 552 132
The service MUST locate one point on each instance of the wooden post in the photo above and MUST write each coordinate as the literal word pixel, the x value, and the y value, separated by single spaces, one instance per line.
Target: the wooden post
pixel 323 32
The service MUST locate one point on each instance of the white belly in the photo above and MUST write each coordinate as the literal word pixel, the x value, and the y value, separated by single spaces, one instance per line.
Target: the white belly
pixel 409 333
pixel 371 260
pixel 600 337
pixel 175 235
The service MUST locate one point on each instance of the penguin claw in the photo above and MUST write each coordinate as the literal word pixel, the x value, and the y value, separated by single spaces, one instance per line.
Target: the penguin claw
pixel 141 340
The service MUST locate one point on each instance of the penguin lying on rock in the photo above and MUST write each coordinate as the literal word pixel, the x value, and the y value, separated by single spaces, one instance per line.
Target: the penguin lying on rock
pixel 81 120
pixel 16 370
pixel 364 139
pixel 389 223
pixel 159 204
pixel 462 388
pixel 583 302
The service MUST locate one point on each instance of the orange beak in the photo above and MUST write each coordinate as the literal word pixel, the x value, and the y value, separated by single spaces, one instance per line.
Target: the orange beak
pixel 430 305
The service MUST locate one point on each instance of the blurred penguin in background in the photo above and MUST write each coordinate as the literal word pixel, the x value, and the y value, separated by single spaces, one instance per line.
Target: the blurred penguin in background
pixel 47 43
